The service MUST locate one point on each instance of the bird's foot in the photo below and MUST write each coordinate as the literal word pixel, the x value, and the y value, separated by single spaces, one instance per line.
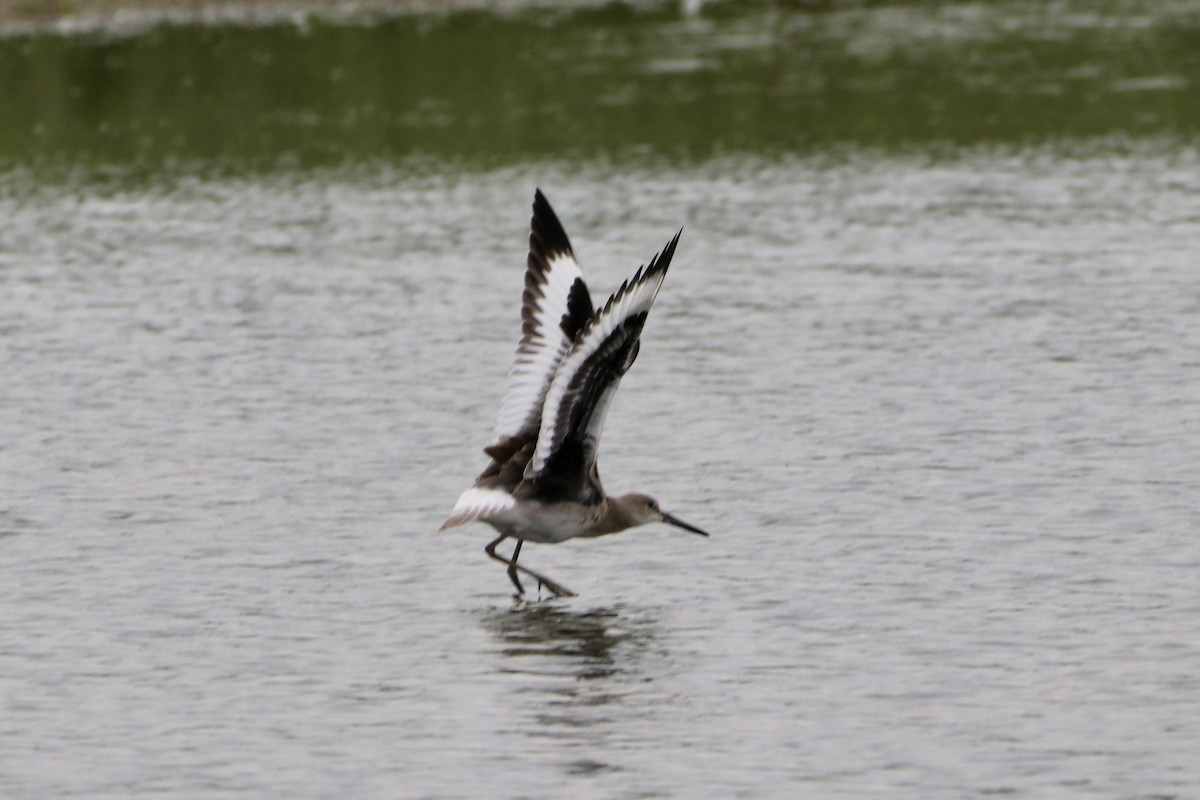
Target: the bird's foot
pixel 557 589
pixel 512 574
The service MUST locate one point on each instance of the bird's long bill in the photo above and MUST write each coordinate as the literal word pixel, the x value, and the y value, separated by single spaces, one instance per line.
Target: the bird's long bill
pixel 678 523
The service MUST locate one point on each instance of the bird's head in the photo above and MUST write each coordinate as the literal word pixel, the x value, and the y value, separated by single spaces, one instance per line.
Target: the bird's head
pixel 640 509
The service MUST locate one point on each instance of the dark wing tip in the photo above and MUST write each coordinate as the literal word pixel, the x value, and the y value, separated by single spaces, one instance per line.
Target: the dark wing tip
pixel 547 237
pixel 657 265
pixel 662 260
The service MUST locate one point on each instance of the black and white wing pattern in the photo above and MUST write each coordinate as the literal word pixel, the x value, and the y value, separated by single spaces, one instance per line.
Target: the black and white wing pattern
pixel 555 306
pixel 563 464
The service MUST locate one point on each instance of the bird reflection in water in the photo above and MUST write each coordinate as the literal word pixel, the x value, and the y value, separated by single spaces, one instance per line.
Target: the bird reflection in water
pixel 581 670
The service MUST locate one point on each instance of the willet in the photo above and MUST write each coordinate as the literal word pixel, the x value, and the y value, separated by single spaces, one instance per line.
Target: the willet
pixel 542 484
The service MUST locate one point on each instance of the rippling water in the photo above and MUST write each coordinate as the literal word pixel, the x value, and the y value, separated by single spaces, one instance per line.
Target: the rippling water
pixel 940 415
pixel 925 365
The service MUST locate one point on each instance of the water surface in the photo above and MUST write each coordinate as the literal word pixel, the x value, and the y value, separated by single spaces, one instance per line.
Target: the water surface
pixel 935 398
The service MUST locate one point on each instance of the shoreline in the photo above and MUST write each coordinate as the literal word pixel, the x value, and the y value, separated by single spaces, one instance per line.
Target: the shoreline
pixel 67 17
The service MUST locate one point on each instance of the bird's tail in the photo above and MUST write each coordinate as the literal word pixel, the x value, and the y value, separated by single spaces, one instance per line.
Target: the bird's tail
pixel 478 505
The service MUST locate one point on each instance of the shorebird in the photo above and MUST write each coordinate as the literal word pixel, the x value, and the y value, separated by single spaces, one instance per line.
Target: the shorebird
pixel 542 484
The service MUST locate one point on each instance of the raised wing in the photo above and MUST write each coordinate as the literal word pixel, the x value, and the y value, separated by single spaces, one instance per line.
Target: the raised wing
pixel 564 460
pixel 554 308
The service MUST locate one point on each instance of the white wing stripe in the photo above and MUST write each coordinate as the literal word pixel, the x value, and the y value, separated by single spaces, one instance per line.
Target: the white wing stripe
pixel 536 360
pixel 630 300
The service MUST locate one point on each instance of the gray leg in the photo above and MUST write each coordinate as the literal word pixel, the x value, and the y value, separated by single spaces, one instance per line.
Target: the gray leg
pixel 512 565
pixel 513 568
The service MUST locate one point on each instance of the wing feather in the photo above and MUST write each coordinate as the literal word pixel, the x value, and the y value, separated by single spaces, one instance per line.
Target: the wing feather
pixel 587 378
pixel 555 306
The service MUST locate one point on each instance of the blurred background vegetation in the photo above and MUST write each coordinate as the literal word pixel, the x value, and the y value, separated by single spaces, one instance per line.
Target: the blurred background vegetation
pixel 479 87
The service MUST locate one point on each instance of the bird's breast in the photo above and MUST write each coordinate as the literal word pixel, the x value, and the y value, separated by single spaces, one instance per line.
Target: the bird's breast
pixel 549 523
